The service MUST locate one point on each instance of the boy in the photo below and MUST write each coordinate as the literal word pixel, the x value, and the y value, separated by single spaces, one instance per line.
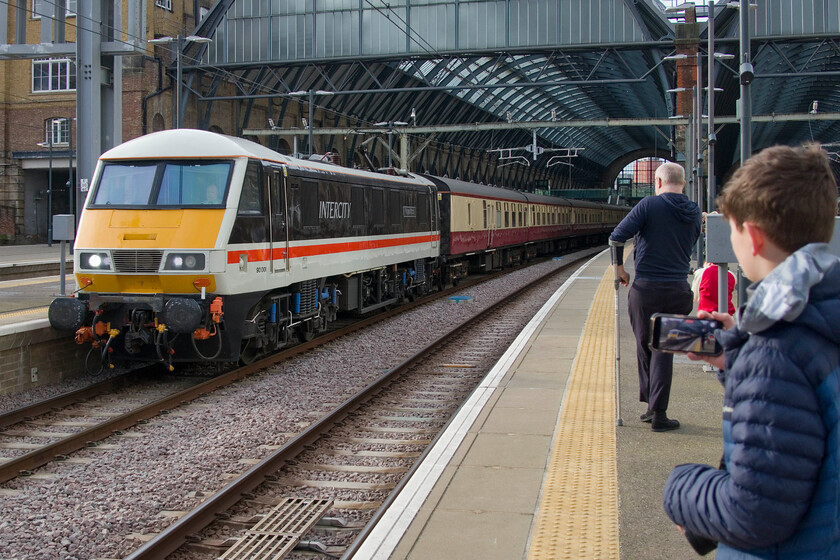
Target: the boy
pixel 779 495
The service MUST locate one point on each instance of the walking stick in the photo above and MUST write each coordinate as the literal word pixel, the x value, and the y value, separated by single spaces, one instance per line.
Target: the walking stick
pixel 617 282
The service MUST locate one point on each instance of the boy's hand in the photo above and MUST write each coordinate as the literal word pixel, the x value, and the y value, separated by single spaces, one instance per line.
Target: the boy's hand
pixel 728 322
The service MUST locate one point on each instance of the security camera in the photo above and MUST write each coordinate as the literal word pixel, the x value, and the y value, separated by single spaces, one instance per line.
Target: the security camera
pixel 747 73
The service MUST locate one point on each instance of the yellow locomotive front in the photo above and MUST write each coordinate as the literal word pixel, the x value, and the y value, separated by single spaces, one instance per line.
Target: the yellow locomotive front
pixel 147 255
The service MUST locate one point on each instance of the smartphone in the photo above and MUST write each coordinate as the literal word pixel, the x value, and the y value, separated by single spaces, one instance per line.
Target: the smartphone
pixel 681 334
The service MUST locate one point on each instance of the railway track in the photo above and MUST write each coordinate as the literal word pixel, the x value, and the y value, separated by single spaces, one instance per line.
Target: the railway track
pixel 335 478
pixel 35 435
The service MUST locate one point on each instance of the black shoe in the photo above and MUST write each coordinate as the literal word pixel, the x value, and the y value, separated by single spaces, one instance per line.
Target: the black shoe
pixel 647 416
pixel 662 423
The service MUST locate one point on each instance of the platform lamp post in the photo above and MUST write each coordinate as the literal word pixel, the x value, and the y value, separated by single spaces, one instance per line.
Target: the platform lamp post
pixel 179 41
pixel 71 184
pixel 49 144
pixel 310 95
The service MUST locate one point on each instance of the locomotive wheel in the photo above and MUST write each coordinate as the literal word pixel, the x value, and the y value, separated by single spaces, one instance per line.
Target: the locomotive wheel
pixel 250 353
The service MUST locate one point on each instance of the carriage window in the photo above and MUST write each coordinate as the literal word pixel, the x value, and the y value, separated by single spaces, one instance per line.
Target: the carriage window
pixel 309 204
pixel 357 206
pixel 251 199
pixel 484 212
pixel 125 184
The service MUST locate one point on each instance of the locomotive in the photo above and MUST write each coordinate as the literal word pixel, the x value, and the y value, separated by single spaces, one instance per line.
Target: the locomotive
pixel 199 247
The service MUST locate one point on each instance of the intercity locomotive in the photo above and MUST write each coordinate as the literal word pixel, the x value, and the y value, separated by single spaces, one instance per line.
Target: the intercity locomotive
pixel 199 247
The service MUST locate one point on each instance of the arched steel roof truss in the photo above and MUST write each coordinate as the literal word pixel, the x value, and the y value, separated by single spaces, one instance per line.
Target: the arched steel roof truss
pixel 517 61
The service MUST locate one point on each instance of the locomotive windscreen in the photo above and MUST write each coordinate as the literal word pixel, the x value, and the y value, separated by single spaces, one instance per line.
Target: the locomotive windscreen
pixel 164 184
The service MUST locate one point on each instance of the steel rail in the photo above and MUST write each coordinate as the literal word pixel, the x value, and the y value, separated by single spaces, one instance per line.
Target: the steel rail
pixel 50 405
pixel 24 464
pixel 174 536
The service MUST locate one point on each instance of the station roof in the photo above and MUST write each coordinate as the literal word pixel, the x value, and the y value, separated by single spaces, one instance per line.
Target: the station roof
pixel 589 77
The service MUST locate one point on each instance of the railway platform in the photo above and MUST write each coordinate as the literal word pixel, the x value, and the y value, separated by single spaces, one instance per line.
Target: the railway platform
pixel 31 353
pixel 29 280
pixel 535 466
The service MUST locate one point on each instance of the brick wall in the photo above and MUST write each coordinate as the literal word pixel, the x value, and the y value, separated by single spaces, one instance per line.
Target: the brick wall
pixel 55 355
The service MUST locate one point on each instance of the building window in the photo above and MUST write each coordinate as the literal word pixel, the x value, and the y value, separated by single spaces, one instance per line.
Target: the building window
pixel 53 74
pixel 57 130
pixel 69 8
pixel 165 4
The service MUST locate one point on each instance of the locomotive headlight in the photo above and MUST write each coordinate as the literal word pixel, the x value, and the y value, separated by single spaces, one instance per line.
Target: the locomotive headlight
pixel 95 261
pixel 185 261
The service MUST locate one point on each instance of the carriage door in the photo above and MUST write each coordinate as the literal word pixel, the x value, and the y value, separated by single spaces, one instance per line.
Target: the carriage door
pixel 279 221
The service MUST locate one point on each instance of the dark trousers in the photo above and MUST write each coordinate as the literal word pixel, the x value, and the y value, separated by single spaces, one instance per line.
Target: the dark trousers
pixel 655 368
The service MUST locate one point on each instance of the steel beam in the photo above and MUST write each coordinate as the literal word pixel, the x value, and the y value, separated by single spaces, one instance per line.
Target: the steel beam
pixel 581 123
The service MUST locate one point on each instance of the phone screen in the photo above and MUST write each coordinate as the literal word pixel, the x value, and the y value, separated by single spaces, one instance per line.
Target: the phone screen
pixel 681 334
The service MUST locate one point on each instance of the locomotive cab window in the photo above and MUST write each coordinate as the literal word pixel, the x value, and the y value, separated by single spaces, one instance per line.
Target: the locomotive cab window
pixel 251 199
pixel 125 185
pixel 163 184
pixel 251 225
pixel 186 184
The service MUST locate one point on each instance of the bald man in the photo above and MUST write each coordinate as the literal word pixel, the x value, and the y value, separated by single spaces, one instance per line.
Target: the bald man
pixel 666 227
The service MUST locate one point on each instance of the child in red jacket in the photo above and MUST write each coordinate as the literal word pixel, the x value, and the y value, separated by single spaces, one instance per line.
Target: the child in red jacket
pixel 707 291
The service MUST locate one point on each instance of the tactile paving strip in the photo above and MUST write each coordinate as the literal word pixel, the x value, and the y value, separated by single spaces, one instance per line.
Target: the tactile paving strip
pixel 32 311
pixel 578 513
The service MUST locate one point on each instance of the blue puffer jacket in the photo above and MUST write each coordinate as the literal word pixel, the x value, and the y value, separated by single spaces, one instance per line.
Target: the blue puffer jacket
pixel 779 496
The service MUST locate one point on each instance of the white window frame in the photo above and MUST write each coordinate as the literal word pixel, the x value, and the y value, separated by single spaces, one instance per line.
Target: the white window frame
pixel 59 129
pixel 69 8
pixel 69 71
pixel 165 4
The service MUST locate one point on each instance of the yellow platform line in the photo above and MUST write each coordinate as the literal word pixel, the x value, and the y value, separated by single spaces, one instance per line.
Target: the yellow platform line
pixel 578 513
pixel 33 281
pixel 23 312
